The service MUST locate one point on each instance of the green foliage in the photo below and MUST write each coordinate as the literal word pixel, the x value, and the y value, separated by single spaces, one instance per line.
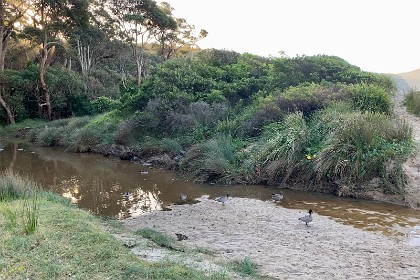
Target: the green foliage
pixel 99 130
pixel 282 148
pixel 365 145
pixel 371 98
pixel 215 160
pixel 219 58
pixel 30 213
pixel 104 104
pixel 412 101
pixel 288 72
pixel 245 267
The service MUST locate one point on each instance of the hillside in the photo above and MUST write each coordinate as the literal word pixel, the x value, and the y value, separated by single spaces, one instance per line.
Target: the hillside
pixel 412 78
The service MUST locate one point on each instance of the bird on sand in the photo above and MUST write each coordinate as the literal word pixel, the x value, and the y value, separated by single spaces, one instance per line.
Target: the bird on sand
pixel 277 196
pixel 181 236
pixel 183 197
pixel 307 218
pixel 223 199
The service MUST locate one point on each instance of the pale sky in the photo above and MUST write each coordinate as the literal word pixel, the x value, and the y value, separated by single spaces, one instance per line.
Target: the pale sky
pixel 376 35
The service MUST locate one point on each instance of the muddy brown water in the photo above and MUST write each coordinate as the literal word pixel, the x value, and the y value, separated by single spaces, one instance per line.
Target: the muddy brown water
pixel 114 188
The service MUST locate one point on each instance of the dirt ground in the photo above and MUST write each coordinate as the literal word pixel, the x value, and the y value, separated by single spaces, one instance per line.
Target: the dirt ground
pixel 285 248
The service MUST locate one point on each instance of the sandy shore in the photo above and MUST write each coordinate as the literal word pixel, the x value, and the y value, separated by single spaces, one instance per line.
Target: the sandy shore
pixel 282 246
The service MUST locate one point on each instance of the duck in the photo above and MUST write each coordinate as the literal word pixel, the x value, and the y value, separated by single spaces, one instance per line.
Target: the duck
pixel 307 218
pixel 183 197
pixel 223 199
pixel 181 236
pixel 126 194
pixel 277 196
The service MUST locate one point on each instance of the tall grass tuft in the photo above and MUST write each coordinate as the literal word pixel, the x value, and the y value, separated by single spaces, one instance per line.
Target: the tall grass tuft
pixel 214 160
pixel 363 146
pixel 14 187
pixel 282 147
pixel 10 215
pixel 30 213
pixel 412 101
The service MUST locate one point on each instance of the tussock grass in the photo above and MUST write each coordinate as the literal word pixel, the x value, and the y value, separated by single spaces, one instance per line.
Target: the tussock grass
pixel 214 160
pixel 412 101
pixel 365 145
pixel 21 126
pixel 14 187
pixel 281 148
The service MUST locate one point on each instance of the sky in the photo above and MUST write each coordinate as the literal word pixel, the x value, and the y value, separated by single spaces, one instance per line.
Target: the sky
pixel 377 35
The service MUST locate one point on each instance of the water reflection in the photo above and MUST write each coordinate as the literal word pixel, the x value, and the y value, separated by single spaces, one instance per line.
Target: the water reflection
pixel 115 188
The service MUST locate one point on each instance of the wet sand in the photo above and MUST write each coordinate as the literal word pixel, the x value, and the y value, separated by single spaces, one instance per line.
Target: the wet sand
pixel 282 246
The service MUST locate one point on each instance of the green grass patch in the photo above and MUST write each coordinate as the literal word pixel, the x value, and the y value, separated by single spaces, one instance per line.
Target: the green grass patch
pixel 412 101
pixel 244 267
pixel 159 238
pixel 71 243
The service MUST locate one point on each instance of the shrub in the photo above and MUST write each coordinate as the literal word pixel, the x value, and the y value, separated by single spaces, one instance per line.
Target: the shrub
pixel 104 104
pixel 308 98
pixel 371 98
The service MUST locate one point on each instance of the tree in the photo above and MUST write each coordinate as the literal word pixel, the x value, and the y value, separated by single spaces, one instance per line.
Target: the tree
pixel 53 20
pixel 11 11
pixel 173 40
pixel 137 22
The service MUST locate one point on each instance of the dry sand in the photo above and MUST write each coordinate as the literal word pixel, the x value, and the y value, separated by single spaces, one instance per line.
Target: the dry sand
pixel 282 246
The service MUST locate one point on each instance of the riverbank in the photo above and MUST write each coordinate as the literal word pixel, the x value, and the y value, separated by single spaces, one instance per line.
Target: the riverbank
pixel 70 243
pixel 281 246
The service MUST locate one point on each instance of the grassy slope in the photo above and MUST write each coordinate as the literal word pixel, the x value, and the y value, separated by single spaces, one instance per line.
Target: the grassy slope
pixel 71 243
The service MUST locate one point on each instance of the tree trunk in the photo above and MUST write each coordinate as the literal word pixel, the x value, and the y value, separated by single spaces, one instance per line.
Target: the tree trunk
pixel 10 117
pixel 138 57
pixel 44 87
pixel 1 34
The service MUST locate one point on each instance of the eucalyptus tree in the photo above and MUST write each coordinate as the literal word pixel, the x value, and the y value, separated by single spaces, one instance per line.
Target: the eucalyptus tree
pixel 184 36
pixel 52 21
pixel 11 13
pixel 138 22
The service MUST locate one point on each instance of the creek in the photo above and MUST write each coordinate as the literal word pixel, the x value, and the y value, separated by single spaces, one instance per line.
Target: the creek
pixel 119 189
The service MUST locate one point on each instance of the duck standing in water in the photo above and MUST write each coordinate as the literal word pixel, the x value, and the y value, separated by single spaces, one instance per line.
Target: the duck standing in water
pixel 183 198
pixel 307 218
pixel 223 199
pixel 277 196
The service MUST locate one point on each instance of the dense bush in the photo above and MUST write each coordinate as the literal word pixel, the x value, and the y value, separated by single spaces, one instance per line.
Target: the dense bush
pixel 371 98
pixel 104 104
